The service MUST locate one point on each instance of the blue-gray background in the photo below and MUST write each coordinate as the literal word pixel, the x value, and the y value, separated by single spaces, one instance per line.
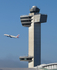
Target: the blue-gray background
pixel 10 48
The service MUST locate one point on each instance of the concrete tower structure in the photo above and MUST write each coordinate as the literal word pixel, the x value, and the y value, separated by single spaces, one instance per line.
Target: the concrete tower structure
pixel 33 21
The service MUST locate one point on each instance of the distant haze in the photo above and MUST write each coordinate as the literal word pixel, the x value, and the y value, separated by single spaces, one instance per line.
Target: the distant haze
pixel 16 64
pixel 12 64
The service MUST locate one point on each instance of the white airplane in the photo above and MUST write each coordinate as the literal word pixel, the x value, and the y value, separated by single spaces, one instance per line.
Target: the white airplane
pixel 11 36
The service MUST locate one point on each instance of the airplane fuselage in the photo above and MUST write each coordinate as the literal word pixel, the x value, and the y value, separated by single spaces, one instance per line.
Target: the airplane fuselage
pixel 11 36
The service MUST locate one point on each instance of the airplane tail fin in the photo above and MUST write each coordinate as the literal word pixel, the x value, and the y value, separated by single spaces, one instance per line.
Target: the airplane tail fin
pixel 18 36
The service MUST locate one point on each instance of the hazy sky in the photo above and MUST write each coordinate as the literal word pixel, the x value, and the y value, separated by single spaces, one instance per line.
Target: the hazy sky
pixel 10 48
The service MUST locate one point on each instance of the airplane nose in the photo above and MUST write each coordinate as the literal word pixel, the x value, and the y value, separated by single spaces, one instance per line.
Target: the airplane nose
pixel 4 34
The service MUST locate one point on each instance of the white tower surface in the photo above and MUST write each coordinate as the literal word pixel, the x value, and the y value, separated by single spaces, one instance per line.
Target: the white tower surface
pixel 33 21
pixel 35 44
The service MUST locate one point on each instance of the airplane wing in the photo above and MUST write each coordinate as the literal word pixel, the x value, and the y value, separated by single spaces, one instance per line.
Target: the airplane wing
pixel 10 36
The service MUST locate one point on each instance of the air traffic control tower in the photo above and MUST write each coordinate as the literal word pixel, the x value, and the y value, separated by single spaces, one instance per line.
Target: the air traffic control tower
pixel 33 22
